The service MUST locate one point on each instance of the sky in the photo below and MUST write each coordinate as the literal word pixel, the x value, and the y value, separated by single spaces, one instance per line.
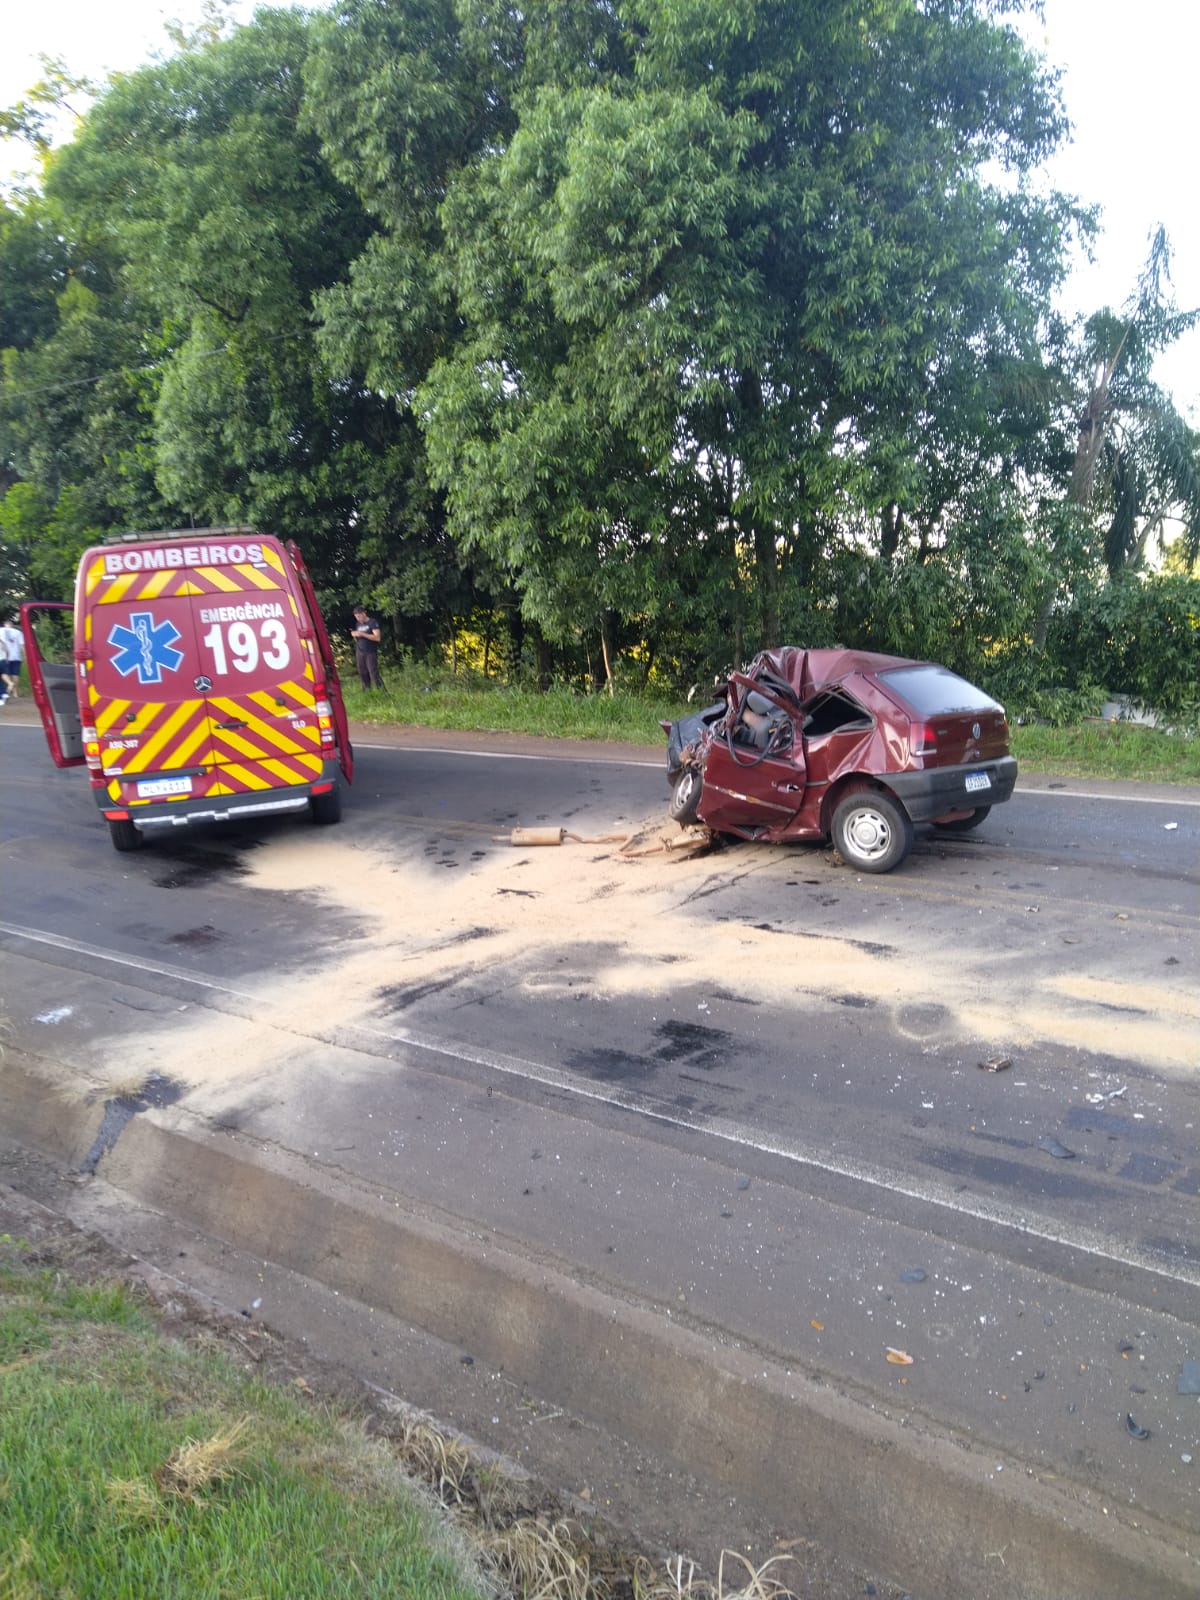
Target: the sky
pixel 1128 82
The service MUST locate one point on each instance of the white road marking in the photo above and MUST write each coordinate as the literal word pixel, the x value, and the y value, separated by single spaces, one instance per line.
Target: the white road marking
pixel 994 1213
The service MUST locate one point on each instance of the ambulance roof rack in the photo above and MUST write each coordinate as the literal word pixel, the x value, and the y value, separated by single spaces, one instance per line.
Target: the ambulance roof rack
pixel 190 534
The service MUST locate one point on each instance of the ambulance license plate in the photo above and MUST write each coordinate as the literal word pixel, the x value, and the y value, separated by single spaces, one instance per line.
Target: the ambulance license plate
pixel 976 780
pixel 149 788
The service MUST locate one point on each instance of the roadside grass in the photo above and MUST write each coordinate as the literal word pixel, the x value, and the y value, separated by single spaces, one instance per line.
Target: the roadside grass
pixel 426 700
pixel 415 698
pixel 135 1464
pixel 1108 750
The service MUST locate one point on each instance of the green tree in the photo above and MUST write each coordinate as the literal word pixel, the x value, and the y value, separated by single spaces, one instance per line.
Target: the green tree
pixel 1137 461
pixel 688 285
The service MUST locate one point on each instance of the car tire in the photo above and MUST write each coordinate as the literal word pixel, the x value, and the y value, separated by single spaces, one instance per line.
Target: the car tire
pixel 685 797
pixel 326 809
pixel 965 824
pixel 123 834
pixel 872 831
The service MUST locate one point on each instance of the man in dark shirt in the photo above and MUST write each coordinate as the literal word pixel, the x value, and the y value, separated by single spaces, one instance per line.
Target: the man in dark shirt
pixel 366 648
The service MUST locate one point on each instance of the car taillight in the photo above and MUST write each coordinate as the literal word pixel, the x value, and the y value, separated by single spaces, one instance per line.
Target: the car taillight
pixel 923 739
pixel 325 721
pixel 91 749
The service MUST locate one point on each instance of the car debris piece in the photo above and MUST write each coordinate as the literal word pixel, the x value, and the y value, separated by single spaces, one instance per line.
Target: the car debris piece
pixel 1054 1147
pixel 995 1064
pixel 912 1275
pixel 1135 1429
pixel 540 836
pixel 1189 1378
pixel 899 1358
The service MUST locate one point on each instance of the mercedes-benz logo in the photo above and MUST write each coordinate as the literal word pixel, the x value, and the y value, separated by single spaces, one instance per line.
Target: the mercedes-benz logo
pixel 202 685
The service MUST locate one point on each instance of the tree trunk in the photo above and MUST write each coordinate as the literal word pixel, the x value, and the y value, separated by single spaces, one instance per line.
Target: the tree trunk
pixel 891 520
pixel 606 647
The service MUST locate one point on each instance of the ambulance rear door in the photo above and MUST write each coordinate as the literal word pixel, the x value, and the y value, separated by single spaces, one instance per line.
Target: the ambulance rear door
pixel 324 649
pixel 54 688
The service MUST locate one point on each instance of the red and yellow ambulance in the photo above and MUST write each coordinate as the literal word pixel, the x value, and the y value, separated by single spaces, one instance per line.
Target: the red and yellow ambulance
pixel 203 686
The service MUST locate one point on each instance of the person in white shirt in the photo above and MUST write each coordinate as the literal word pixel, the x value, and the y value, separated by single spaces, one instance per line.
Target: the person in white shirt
pixel 12 653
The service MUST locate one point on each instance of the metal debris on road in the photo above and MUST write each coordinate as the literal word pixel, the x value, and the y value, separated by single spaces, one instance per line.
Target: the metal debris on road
pixel 912 1275
pixel 1135 1429
pixel 1053 1147
pixel 1189 1378
pixel 899 1358
pixel 995 1064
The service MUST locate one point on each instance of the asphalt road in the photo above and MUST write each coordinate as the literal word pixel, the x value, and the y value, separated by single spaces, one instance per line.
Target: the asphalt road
pixel 953 1110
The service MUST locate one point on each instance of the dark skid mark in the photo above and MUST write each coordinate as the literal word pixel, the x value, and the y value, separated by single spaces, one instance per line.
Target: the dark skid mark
pixel 194 866
pixel 1015 1175
pixel 723 994
pixel 610 1066
pixel 867 946
pixel 1151 1170
pixel 691 1042
pixel 399 996
pixel 120 1112
pixel 1085 1119
pixel 205 934
pixel 1174 1248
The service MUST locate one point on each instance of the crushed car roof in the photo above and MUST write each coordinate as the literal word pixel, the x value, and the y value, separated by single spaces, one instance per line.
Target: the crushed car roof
pixel 806 671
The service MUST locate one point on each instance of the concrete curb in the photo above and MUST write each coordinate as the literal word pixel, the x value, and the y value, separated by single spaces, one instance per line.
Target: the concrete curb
pixel 920 1505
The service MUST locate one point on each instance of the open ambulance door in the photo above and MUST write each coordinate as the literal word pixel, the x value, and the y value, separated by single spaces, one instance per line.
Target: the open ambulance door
pixel 333 684
pixel 54 690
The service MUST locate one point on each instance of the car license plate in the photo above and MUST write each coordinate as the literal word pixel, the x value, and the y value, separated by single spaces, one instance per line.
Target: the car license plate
pixel 149 788
pixel 976 781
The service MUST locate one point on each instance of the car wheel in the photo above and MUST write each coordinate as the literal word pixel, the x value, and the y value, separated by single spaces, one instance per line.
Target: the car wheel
pixel 326 808
pixel 123 834
pixel 685 797
pixel 872 831
pixel 965 824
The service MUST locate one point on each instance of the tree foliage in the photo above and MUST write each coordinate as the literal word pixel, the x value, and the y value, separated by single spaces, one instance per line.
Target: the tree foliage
pixel 633 334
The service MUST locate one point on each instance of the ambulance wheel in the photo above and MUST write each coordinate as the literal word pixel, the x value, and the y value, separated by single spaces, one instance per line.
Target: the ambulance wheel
pixel 326 808
pixel 123 834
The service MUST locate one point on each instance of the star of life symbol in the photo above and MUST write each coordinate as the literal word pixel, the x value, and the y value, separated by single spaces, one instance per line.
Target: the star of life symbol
pixel 145 647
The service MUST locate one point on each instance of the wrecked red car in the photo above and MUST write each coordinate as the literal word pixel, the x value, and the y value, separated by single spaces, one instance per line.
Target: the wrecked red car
pixel 844 745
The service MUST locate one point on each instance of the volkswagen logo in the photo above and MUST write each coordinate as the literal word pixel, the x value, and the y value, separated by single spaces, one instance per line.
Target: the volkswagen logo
pixel 202 685
pixel 975 730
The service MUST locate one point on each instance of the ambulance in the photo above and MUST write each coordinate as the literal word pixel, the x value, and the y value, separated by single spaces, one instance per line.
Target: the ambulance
pixel 203 686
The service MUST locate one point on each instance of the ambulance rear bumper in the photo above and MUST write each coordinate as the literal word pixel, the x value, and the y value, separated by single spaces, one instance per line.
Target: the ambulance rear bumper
pixel 162 816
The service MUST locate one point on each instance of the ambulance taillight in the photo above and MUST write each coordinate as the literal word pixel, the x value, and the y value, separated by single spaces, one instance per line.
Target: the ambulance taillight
pixel 325 722
pixel 91 749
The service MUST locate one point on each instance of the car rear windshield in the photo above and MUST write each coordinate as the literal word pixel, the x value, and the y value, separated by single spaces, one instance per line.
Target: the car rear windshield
pixel 932 691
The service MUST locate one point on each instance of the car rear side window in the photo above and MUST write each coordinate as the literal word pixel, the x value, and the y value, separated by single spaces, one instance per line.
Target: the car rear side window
pixel 933 691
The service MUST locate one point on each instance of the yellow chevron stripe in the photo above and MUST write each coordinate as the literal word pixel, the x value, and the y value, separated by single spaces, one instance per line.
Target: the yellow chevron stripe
pixel 154 585
pixel 163 735
pixel 234 739
pixel 188 587
pixel 117 588
pixel 255 579
pixel 219 578
pixel 296 774
pixel 264 730
pixel 252 780
pixel 182 754
pixel 94 574
pixel 114 710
